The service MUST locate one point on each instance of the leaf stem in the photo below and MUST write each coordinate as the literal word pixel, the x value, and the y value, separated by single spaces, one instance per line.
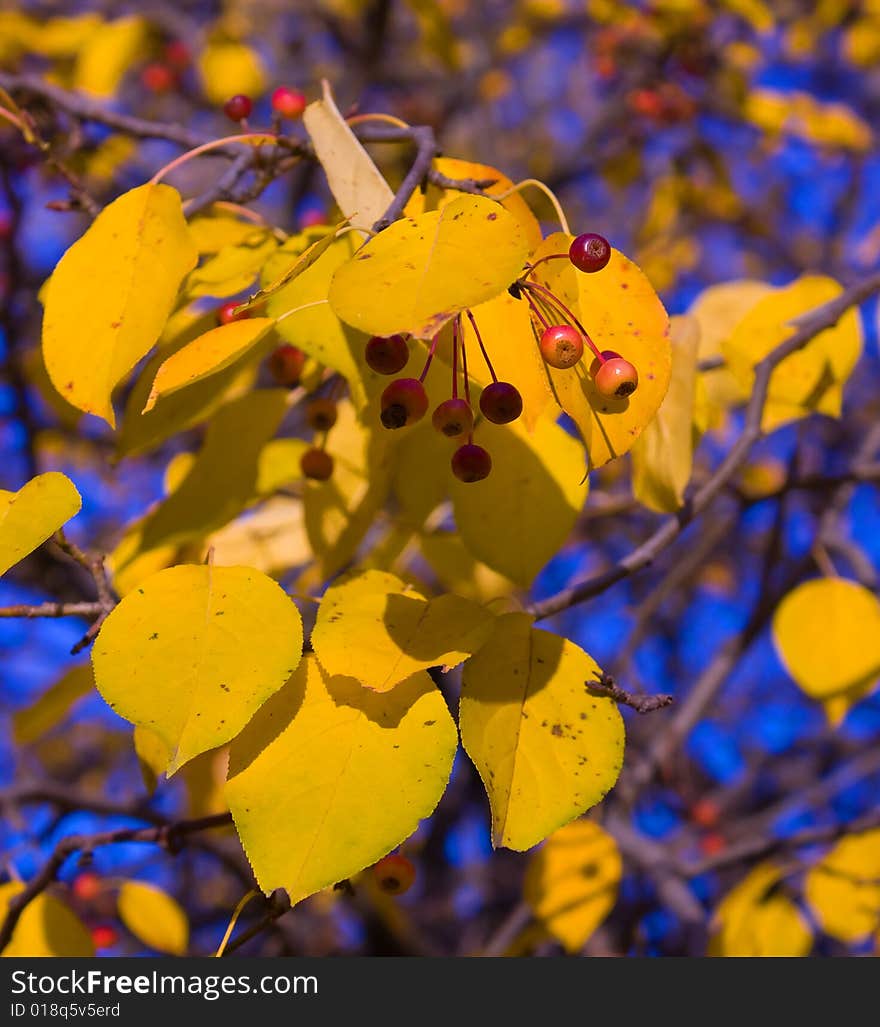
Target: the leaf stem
pixel 473 322
pixel 247 137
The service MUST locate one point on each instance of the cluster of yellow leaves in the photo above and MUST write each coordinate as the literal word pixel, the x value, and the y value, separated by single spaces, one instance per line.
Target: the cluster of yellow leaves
pixel 802 115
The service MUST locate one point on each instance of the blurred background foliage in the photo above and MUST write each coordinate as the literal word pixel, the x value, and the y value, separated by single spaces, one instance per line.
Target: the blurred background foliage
pixel 710 142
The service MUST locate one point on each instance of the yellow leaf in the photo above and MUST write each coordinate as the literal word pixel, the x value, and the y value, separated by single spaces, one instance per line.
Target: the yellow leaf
pixel 506 329
pixel 103 315
pixel 436 198
pixel 546 748
pixel 52 707
pixel 520 516
pixel 57 37
pixel 279 465
pixel 757 918
pixel 622 313
pixel 107 54
pixel 372 628
pixel 271 538
pixel 663 455
pixel 193 653
pixel 571 882
pixel 306 774
pixel 153 756
pixel 843 890
pixel 215 230
pixel 806 377
pixel 718 310
pixel 315 329
pixel 222 480
pixel 153 917
pixel 234 268
pixel 175 413
pixel 227 67
pixel 458 571
pixel 33 514
pixel 209 353
pixel 47 927
pixel 357 185
pixel 827 633
pixel 419 273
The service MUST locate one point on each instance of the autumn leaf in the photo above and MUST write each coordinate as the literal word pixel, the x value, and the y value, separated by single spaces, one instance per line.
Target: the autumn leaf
pixel 33 514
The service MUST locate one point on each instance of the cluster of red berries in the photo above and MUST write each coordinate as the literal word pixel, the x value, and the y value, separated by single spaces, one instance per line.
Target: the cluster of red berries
pixel 561 343
pixel 286 103
pixel 87 888
pixel 163 75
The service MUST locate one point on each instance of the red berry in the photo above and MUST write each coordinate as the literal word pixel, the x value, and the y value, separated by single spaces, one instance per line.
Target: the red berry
pixel 395 874
pixel 590 252
pixel 104 936
pixel 453 418
pixel 713 843
pixel 87 886
pixel 387 355
pixel 705 813
pixel 562 346
pixel 238 107
pixel 177 54
pixel 287 102
pixel 321 414
pixel 158 78
pixel 615 376
pixel 226 314
pixel 501 403
pixel 316 464
pixel 403 402
pixel 286 365
pixel 471 463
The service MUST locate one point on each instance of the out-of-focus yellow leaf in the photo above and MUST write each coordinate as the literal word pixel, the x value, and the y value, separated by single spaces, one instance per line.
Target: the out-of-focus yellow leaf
pixel 227 67
pixel 209 353
pixel 805 380
pixel 663 455
pixel 271 538
pixel 357 185
pixel 802 115
pixel 370 626
pixel 108 53
pixel 843 889
pixel 571 882
pixel 33 514
pixel 419 273
pixel 305 775
pixel 622 313
pixel 54 704
pixel 195 651
pixel 235 267
pixel 47 927
pixel 827 633
pixel 757 918
pixel 154 917
pixel 547 749
pixel 458 571
pixel 101 316
pixel 520 516
pixel 216 229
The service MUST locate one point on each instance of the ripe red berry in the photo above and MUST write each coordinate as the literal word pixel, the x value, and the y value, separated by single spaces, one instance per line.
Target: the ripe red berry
pixel 501 403
pixel 387 354
pixel 104 936
pixel 177 54
pixel 453 418
pixel 403 402
pixel 562 346
pixel 287 102
pixel 705 813
pixel 316 464
pixel 238 107
pixel 87 886
pixel 713 843
pixel 158 78
pixel 615 377
pixel 471 463
pixel 395 874
pixel 321 414
pixel 226 314
pixel 590 252
pixel 286 365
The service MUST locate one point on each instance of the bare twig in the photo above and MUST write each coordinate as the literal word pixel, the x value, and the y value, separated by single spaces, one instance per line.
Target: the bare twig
pixel 605 684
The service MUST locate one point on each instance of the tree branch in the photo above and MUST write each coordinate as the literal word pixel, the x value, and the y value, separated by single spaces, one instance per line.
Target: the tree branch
pixel 606 685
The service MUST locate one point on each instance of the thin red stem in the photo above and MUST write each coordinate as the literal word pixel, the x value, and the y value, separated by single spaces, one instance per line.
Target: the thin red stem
pixel 455 359
pixel 555 301
pixel 464 370
pixel 430 358
pixel 551 256
pixel 473 322
pixel 537 312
